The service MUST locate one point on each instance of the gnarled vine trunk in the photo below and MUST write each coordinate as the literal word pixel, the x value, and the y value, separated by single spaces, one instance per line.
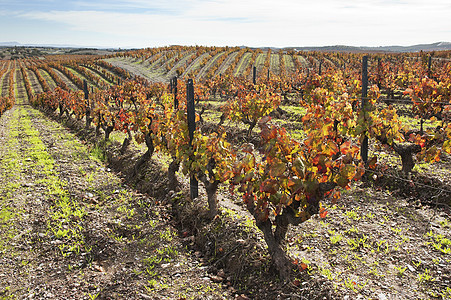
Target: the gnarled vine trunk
pixel 406 151
pixel 211 187
pixel 173 168
pixel 126 142
pixel 146 156
pixel 88 118
pixel 279 257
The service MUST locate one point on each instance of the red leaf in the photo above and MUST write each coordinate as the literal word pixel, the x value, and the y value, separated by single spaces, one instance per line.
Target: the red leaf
pixel 269 186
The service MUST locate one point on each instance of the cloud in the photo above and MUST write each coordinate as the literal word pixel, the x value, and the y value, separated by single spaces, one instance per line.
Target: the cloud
pixel 254 23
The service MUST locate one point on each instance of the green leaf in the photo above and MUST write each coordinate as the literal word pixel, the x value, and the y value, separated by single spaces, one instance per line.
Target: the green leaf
pixel 447 146
pixel 298 168
pixel 348 171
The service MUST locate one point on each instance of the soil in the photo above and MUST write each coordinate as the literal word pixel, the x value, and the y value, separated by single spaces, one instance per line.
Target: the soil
pixel 139 70
pixel 66 80
pixel 5 84
pixel 227 62
pixel 127 244
pixel 35 85
pixel 48 78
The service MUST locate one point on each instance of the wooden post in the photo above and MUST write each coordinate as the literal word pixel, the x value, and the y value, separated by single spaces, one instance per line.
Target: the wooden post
pixel 268 74
pixel 85 89
pixel 88 107
pixel 194 187
pixel 379 75
pixel 320 65
pixel 364 146
pixel 429 66
pixel 174 91
pixel 254 75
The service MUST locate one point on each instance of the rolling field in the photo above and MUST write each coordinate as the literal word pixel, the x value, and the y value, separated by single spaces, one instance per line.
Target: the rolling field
pixel 79 219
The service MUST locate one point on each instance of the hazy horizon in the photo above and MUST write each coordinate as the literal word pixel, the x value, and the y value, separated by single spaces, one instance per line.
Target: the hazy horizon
pixel 283 23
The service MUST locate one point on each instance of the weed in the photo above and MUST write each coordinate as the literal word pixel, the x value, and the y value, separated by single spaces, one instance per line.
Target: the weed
pixel 352 215
pixel 425 277
pixel 400 270
pixel 98 153
pixel 92 297
pixel 335 237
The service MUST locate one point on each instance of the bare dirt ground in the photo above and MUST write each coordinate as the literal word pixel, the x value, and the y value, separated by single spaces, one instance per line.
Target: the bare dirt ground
pixel 66 80
pixel 139 70
pixel 5 84
pixel 71 228
pixel 35 85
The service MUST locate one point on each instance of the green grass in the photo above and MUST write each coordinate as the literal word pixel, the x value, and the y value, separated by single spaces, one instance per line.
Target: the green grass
pixel 301 111
pixel 242 64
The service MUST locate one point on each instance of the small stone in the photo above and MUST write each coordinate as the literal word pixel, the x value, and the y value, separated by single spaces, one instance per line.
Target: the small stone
pixel 98 268
pixel 412 269
pixel 382 296
pixel 216 279
pixel 144 296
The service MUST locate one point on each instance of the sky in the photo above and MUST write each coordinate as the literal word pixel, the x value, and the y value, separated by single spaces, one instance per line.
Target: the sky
pixel 254 23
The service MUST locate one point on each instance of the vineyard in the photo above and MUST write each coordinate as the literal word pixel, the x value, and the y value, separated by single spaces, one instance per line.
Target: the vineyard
pixel 233 173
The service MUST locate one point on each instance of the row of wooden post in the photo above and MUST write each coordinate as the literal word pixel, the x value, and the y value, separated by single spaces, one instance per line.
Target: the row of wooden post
pixel 191 111
pixel 194 187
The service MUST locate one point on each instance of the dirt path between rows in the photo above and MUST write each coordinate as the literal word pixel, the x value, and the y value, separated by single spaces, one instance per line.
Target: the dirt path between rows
pixel 66 80
pixel 137 69
pixel 72 229
pixel 5 84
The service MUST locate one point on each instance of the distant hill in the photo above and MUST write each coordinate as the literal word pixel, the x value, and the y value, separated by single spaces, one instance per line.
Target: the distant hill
pixel 439 46
pixel 9 44
pixel 16 44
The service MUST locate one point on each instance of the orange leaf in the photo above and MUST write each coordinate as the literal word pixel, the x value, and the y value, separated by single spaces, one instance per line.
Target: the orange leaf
pixel 331 148
pixel 372 162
